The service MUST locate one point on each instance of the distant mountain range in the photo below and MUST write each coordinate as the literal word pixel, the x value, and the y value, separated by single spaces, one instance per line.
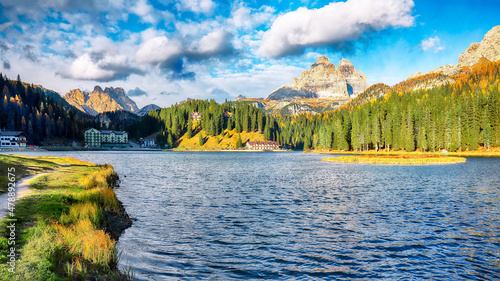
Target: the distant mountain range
pixel 107 100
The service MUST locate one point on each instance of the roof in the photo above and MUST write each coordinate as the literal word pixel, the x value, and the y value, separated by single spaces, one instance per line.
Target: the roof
pixel 111 131
pixel 263 143
pixel 11 133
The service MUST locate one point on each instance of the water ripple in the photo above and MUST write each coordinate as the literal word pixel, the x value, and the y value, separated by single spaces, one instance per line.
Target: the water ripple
pixel 250 216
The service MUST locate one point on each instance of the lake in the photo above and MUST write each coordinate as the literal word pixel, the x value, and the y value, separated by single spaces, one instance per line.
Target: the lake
pixel 280 216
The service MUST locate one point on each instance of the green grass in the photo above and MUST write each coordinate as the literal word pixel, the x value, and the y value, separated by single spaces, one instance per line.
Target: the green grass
pixel 396 160
pixel 61 224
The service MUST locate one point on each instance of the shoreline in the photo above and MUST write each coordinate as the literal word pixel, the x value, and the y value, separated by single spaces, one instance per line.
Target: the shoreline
pixel 72 209
pixel 479 153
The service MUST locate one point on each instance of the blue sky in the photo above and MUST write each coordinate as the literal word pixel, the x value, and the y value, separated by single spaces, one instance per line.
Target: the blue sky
pixel 164 51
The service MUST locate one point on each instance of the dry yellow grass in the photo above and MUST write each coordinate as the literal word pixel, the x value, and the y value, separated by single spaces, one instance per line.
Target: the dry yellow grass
pixel 83 211
pixel 482 152
pixel 396 160
pixel 84 240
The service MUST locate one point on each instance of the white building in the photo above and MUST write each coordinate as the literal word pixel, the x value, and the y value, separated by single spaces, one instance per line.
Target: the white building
pixel 12 139
pixel 147 142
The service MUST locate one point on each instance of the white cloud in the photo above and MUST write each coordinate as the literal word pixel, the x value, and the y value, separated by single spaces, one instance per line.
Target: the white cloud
pixel 333 24
pixel 100 67
pixel 145 11
pixel 85 68
pixel 5 25
pixel 432 44
pixel 216 42
pixel 158 50
pixel 247 18
pixel 197 6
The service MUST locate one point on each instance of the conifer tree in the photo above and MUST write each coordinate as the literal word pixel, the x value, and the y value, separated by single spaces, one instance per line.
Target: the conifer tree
pixel 239 142
pixel 201 141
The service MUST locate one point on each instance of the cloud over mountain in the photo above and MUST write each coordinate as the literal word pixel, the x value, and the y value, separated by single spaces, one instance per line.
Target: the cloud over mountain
pixel 293 32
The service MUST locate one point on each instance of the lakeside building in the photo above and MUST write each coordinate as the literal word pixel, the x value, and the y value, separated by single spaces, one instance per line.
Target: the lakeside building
pixel 196 116
pixel 106 138
pixel 262 145
pixel 12 139
pixel 147 143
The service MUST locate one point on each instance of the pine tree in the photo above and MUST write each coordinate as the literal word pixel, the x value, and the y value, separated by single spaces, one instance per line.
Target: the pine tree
pixel 189 132
pixel 488 136
pixel 201 141
pixel 239 142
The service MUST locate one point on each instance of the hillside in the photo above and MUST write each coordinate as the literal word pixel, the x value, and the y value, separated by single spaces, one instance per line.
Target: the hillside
pixel 39 112
pixel 226 140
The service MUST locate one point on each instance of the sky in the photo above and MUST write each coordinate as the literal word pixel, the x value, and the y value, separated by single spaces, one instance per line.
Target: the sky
pixel 165 51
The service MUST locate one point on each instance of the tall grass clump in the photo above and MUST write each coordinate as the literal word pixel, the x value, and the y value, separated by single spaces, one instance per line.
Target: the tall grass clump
pixel 105 176
pixel 93 245
pixel 83 211
pixel 104 196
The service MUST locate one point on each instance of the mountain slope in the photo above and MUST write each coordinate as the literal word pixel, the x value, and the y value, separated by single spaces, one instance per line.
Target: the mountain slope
pixel 99 101
pixel 488 48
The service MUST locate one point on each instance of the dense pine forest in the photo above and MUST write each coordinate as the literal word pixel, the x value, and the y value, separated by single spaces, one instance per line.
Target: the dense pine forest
pixel 463 115
pixel 175 121
pixel 29 109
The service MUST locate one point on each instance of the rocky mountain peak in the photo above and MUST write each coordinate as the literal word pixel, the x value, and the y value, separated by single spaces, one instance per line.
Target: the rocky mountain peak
pixel 323 60
pixel 346 68
pixel 488 48
pixel 322 80
pixel 99 100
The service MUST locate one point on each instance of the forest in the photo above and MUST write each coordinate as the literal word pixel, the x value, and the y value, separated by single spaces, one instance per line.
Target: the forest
pixel 29 109
pixel 464 115
pixel 175 121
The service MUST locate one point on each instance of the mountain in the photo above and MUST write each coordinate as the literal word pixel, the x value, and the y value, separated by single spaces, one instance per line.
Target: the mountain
pixel 488 48
pixel 99 101
pixel 240 97
pixel 323 81
pixel 146 109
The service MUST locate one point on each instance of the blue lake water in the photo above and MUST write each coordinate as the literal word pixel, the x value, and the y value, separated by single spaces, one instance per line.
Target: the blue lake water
pixel 281 216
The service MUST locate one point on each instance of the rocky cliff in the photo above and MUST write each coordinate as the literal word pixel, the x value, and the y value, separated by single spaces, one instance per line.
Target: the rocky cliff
pixel 488 48
pixel 99 100
pixel 322 80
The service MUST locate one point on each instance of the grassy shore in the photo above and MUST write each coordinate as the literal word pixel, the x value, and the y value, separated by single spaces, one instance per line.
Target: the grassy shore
pixel 396 160
pixel 67 227
pixel 482 152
